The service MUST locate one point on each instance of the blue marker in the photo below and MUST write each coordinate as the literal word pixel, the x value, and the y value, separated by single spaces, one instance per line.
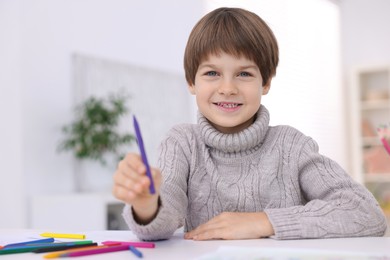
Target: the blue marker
pixel 135 251
pixel 45 240
pixel 143 155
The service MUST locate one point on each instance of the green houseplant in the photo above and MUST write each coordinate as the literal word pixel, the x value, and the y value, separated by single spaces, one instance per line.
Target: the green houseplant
pixel 94 134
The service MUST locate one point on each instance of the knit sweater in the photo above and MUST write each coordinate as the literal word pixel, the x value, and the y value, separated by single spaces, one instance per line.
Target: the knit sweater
pixel 277 170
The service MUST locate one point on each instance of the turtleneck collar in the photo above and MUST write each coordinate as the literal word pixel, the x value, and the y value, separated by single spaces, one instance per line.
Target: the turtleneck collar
pixel 241 142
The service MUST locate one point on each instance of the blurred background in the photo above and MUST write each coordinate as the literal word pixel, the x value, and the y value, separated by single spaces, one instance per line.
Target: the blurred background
pixel 333 84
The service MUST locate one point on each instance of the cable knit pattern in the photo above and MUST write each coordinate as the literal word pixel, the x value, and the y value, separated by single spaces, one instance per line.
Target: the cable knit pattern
pixel 277 170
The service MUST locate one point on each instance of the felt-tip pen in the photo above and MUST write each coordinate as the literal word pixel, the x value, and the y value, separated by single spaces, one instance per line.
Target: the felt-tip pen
pixel 58 235
pixel 143 154
pixel 135 251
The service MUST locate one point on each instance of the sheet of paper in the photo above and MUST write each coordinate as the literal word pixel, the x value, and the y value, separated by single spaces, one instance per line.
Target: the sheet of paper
pixel 250 253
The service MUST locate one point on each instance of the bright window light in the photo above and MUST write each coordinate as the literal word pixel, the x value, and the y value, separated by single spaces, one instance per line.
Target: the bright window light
pixel 306 92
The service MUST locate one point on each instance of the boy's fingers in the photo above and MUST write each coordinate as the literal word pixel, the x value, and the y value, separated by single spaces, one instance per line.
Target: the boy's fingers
pixel 134 162
pixel 123 194
pixel 136 184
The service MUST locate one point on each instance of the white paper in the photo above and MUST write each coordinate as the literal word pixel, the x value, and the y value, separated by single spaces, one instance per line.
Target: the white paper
pixel 251 253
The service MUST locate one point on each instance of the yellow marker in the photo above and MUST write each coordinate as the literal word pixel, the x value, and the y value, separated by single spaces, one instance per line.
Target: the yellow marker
pixel 54 255
pixel 57 235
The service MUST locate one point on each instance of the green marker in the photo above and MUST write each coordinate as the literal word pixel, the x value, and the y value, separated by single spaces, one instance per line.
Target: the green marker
pixel 30 248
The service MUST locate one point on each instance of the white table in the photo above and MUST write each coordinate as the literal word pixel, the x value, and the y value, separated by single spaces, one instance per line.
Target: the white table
pixel 179 248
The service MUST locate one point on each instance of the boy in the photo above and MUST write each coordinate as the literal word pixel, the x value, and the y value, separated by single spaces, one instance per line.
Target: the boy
pixel 232 176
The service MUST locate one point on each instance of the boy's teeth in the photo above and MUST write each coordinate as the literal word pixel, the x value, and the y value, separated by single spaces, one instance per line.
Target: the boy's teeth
pixel 227 105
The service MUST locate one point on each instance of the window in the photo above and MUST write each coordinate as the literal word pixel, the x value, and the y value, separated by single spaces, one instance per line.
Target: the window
pixel 306 92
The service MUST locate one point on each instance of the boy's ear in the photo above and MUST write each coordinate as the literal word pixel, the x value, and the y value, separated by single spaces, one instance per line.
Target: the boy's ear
pixel 191 88
pixel 267 86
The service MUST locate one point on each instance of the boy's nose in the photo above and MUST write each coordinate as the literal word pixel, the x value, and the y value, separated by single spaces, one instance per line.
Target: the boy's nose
pixel 227 88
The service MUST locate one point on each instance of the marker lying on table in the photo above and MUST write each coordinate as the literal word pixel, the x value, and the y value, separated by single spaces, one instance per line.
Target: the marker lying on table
pixel 33 247
pixel 58 235
pixel 45 240
pixel 94 251
pixel 62 247
pixel 58 254
pixel 135 251
pixel 143 154
pixel 129 243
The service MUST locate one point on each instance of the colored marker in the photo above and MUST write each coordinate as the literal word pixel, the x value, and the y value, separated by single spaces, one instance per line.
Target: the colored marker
pixel 135 251
pixel 102 250
pixel 384 136
pixel 33 247
pixel 62 247
pixel 57 235
pixel 68 243
pixel 17 250
pixel 143 154
pixel 25 249
pixel 386 145
pixel 45 240
pixel 81 242
pixel 59 253
pixel 129 243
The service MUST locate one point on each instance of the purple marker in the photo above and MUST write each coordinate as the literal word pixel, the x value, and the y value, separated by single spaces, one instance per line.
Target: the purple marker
pixel 143 154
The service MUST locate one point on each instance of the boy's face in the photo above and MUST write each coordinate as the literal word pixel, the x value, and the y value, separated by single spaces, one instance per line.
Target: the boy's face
pixel 228 91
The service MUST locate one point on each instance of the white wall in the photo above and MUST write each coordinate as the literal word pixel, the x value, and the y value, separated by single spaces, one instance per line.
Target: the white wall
pixel 38 39
pixel 365 32
pixel 12 196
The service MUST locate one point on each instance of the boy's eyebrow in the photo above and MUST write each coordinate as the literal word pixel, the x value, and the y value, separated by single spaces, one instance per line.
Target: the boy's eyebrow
pixel 206 65
pixel 210 65
pixel 248 67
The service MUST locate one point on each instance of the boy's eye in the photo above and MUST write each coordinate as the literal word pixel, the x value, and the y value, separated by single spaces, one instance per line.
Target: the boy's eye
pixel 244 74
pixel 211 73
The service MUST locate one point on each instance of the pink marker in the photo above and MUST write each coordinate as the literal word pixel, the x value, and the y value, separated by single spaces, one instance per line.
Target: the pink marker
pixel 95 251
pixel 384 135
pixel 386 145
pixel 129 243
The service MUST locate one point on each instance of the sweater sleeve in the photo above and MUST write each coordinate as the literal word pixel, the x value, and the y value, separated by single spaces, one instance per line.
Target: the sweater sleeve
pixel 173 195
pixel 336 205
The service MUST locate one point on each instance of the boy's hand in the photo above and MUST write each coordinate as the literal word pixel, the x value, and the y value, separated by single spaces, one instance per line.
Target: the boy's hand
pixel 233 225
pixel 131 185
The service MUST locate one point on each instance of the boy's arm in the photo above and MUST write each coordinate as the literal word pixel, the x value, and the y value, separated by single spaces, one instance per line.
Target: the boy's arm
pixel 173 200
pixel 233 225
pixel 336 205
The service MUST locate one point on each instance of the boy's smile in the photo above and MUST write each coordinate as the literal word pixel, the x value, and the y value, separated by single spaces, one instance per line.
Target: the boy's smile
pixel 228 106
pixel 228 91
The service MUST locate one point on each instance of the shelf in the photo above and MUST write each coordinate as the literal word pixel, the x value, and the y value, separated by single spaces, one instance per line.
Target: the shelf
pixel 370 108
pixel 371 141
pixel 375 105
pixel 377 177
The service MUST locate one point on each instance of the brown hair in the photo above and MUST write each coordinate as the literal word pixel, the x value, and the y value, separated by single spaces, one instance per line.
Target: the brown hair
pixel 234 31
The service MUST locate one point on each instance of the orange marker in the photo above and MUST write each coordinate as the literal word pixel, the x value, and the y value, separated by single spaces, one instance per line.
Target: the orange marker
pixel 59 253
